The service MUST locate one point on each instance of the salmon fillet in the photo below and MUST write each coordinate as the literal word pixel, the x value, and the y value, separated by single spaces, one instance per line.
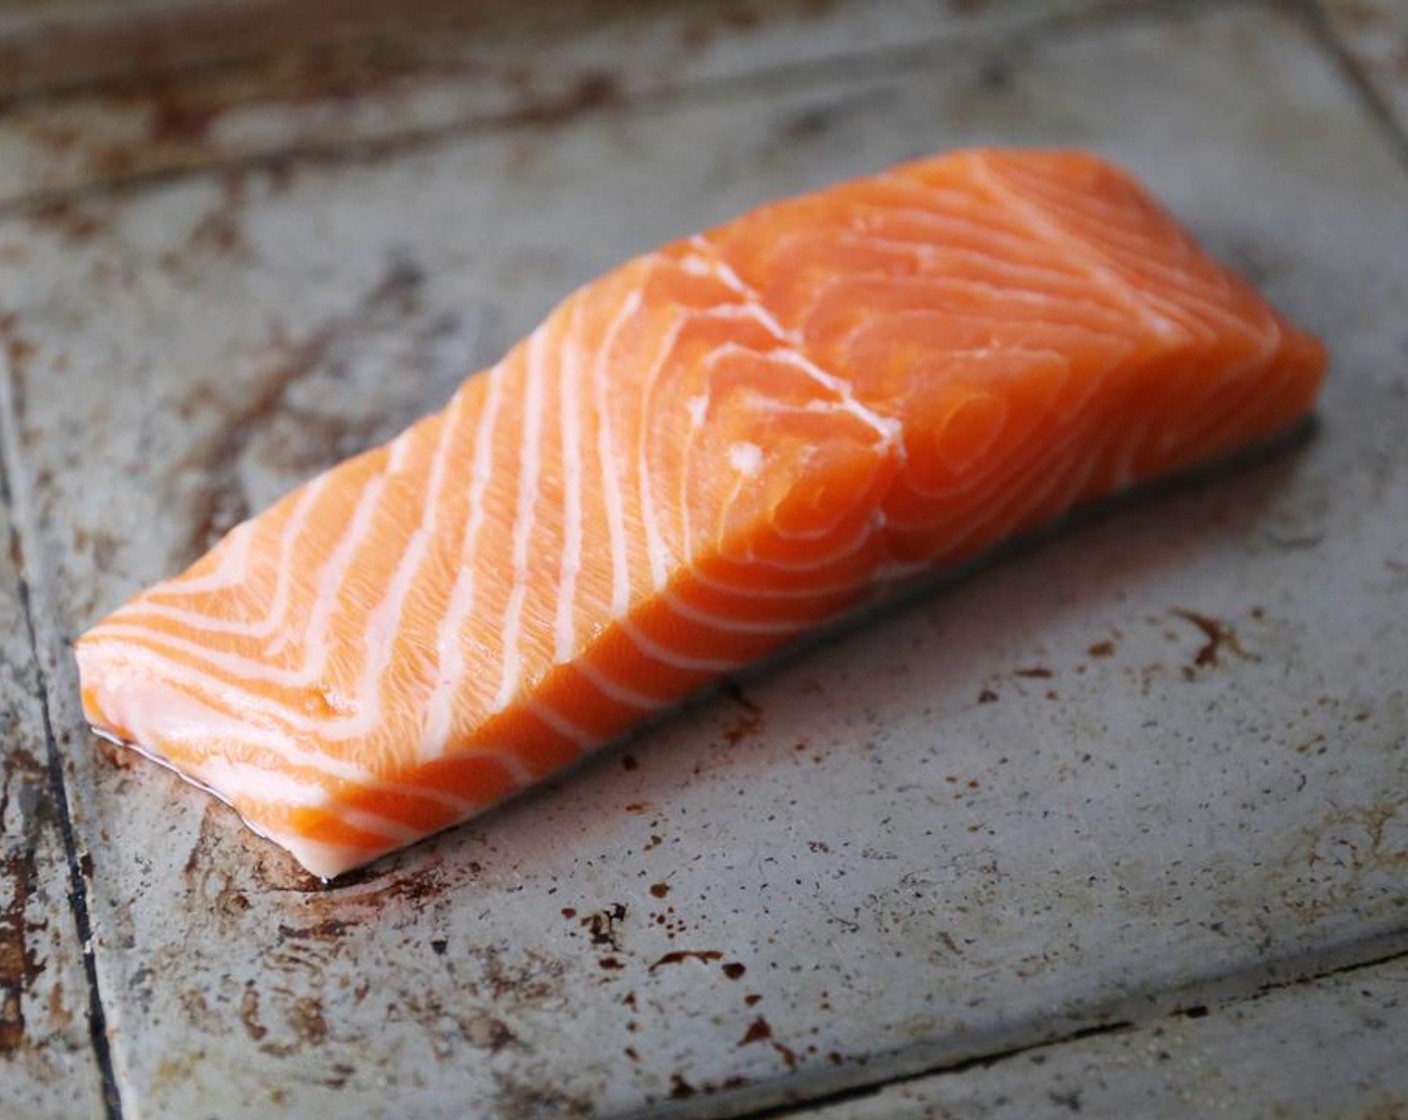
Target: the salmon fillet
pixel 693 460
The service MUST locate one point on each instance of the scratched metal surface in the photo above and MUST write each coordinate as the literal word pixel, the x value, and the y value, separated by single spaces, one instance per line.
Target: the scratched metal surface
pixel 1156 760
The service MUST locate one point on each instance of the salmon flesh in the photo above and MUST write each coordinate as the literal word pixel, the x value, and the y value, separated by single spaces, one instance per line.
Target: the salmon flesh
pixel 695 459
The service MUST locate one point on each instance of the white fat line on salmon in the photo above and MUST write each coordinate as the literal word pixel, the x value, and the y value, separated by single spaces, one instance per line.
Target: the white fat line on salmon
pixel 378 634
pixel 658 551
pixel 1191 328
pixel 776 593
pixel 941 256
pixel 1079 247
pixel 1010 475
pixel 185 717
pixel 1215 291
pixel 962 199
pixel 200 737
pixel 238 782
pixel 1186 307
pixel 656 652
pixel 998 475
pixel 1155 251
pixel 939 237
pixel 1199 316
pixel 760 402
pixel 377 785
pixel 163 649
pixel 575 735
pixel 512 765
pixel 231 570
pixel 740 483
pixel 383 623
pixel 719 622
pixel 1132 434
pixel 1180 394
pixel 530 462
pixel 330 580
pixel 374 823
pixel 1070 335
pixel 439 709
pixel 946 226
pixel 1048 473
pixel 699 406
pixel 264 627
pixel 613 689
pixel 695 265
pixel 233 669
pixel 889 430
pixel 327 728
pixel 747 311
pixel 724 272
pixel 886 428
pixel 570 367
pixel 1220 412
pixel 398 451
pixel 863 533
pixel 1063 479
pixel 200 730
pixel 610 460
pixel 1004 302
pixel 1088 206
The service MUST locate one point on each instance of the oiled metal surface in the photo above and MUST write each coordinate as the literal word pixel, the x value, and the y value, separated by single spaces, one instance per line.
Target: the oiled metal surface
pixel 1155 758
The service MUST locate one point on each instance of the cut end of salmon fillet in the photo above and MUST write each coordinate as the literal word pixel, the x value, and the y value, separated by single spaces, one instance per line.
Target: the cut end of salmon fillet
pixel 693 461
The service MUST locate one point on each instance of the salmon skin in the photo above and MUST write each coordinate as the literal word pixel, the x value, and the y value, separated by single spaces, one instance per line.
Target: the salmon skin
pixel 694 460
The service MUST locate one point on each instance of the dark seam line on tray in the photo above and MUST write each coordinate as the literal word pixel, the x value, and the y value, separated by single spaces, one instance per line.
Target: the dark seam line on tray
pixel 1375 106
pixel 796 77
pixel 58 790
pixel 1192 1008
pixel 875 1088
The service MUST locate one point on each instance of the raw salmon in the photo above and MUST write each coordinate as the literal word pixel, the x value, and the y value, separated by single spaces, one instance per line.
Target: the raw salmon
pixel 693 460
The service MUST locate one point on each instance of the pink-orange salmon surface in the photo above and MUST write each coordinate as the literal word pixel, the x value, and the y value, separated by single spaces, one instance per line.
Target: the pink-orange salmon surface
pixel 694 460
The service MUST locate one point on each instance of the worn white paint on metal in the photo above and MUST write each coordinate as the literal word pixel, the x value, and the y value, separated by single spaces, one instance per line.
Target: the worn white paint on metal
pixel 1159 755
pixel 1333 1047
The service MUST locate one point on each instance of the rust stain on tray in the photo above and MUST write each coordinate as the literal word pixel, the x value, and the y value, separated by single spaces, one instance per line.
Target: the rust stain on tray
pixel 1219 635
pixel 676 956
pixel 24 780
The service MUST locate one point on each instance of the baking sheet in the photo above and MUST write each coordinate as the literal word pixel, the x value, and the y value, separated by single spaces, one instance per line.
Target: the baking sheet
pixel 1154 762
